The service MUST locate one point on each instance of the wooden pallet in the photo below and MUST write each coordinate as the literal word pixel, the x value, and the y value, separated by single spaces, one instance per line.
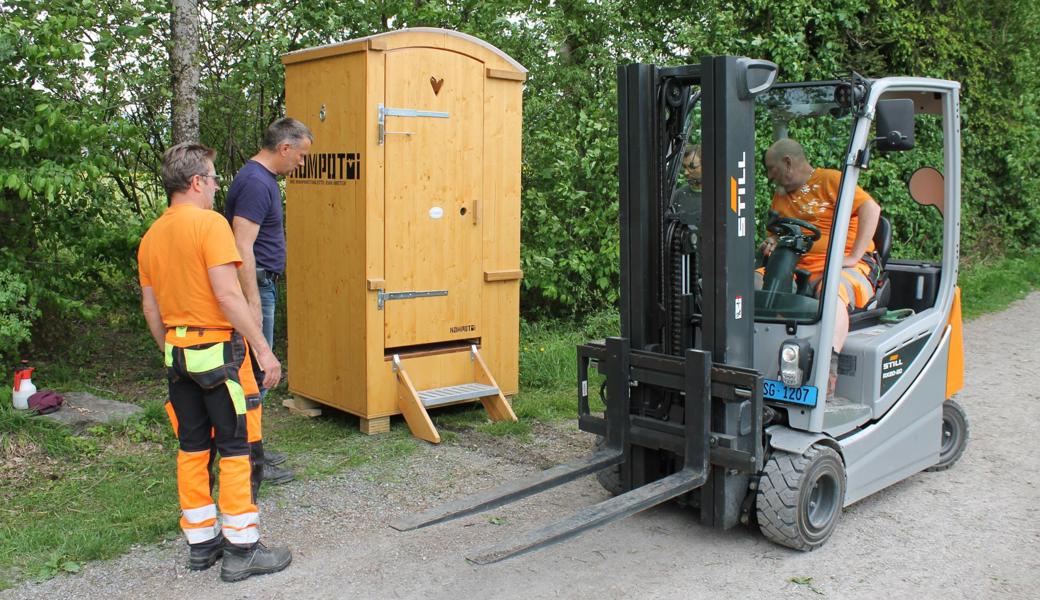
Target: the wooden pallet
pixel 301 406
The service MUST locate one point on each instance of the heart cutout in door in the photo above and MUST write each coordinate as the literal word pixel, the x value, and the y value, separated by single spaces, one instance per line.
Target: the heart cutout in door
pixel 436 84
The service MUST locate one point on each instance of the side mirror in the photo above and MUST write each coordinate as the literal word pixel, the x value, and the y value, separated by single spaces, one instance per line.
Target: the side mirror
pixel 895 125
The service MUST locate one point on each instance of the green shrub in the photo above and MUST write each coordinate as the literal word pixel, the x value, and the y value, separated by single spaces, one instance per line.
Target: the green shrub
pixel 17 311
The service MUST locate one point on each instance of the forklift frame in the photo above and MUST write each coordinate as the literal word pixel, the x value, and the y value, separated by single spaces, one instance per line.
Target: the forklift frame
pixel 684 408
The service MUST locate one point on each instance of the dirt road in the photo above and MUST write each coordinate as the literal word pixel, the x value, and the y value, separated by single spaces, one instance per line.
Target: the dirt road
pixel 970 532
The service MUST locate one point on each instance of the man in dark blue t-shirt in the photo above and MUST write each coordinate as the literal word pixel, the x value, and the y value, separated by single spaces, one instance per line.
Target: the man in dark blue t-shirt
pixel 254 209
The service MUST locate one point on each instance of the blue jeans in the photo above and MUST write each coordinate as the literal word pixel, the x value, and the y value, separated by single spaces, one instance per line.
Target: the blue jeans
pixel 268 295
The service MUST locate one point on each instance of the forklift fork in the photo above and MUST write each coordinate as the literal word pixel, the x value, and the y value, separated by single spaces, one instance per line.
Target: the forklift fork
pixel 696 386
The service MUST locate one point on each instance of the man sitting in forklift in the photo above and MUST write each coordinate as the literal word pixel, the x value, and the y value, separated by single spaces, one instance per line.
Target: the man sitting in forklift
pixel 687 197
pixel 811 194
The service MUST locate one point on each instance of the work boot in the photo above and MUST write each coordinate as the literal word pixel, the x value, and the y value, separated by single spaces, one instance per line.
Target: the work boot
pixel 274 458
pixel 202 556
pixel 276 475
pixel 241 562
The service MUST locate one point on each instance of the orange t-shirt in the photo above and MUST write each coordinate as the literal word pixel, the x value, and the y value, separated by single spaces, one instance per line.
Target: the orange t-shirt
pixel 174 259
pixel 814 202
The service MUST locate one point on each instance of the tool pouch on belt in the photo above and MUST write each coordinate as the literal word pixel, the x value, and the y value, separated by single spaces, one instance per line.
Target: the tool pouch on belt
pixel 211 366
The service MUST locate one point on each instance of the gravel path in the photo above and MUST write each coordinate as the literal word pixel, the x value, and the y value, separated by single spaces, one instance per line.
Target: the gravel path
pixel 970 532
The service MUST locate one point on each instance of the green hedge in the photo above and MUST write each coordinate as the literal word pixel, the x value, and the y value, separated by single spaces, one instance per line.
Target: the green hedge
pixel 84 103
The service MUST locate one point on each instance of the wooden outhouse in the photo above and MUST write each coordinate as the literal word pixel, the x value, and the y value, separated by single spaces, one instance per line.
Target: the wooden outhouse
pixel 403 227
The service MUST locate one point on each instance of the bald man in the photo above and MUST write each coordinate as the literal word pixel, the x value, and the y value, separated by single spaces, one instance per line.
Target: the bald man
pixel 811 194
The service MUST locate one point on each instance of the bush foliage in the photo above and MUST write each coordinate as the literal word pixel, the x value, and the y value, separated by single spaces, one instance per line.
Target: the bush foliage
pixel 84 118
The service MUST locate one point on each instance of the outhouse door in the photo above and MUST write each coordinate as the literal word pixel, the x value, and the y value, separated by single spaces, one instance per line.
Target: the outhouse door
pixel 432 131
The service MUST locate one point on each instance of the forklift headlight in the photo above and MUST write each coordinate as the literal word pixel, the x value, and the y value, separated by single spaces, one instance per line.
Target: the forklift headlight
pixel 795 360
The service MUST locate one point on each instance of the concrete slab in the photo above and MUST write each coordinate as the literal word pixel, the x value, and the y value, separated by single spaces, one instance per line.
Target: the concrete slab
pixel 82 410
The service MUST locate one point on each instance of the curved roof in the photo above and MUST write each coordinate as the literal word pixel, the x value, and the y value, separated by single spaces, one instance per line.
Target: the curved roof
pixel 355 44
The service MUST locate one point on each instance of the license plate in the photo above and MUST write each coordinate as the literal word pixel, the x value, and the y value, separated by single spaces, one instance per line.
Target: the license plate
pixel 776 390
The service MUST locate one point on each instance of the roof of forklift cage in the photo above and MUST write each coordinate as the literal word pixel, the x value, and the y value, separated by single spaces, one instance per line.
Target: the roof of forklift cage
pixel 398 38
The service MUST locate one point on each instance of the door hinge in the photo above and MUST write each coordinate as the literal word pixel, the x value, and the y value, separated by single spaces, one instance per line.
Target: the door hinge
pixel 385 112
pixel 382 297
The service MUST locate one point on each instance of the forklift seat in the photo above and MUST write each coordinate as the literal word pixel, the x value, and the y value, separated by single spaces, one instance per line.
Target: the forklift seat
pixel 883 239
pixel 878 306
pixel 882 247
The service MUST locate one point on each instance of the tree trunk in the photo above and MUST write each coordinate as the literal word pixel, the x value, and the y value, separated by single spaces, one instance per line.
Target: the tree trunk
pixel 184 71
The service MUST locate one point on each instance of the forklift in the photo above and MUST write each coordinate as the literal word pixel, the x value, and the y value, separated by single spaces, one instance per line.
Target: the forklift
pixel 715 391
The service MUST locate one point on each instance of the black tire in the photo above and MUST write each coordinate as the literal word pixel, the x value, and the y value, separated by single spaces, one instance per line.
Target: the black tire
pixel 610 478
pixel 954 435
pixel 800 497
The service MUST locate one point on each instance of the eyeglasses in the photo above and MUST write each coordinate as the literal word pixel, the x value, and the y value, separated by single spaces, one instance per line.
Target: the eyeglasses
pixel 216 178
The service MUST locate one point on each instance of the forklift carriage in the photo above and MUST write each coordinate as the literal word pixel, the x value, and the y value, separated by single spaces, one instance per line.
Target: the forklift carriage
pixel 715 392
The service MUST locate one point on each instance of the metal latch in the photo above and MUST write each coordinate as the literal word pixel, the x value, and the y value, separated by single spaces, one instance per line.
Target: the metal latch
pixel 382 297
pixel 385 112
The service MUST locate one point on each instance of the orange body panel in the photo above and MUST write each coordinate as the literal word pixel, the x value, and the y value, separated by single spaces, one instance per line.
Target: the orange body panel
pixel 955 366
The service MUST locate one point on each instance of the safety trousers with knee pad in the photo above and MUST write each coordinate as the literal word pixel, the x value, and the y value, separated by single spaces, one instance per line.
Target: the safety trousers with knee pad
pixel 212 389
pixel 254 412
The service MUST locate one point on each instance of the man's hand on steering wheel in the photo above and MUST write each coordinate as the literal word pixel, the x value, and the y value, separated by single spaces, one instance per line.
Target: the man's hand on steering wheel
pixel 792 233
pixel 790 226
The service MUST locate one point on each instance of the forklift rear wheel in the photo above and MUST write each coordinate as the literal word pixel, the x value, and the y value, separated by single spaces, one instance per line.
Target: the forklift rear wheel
pixel 954 435
pixel 800 497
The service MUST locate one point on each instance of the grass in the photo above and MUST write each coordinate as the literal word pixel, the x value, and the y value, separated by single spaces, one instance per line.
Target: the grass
pixel 67 499
pixel 993 285
pixel 331 443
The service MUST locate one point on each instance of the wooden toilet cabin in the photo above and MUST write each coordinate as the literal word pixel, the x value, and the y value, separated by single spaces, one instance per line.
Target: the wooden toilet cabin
pixel 403 227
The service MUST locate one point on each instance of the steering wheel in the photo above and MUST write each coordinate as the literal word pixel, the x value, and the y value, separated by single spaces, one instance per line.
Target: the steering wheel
pixel 789 226
pixel 794 237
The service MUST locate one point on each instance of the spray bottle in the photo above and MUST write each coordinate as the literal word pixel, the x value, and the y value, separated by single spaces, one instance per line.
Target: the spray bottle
pixel 23 387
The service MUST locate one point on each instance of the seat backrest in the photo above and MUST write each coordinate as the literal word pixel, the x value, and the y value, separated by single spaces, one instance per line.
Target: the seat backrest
pixel 883 239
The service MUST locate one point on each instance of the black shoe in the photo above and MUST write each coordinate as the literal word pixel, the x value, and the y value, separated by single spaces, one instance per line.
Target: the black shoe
pixel 205 555
pixel 276 476
pixel 240 563
pixel 274 458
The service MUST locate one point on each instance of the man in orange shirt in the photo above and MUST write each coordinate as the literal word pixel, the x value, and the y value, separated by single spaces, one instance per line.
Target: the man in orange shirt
pixel 196 313
pixel 811 194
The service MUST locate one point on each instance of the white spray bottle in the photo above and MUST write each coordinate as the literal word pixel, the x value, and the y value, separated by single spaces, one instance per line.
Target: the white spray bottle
pixel 23 387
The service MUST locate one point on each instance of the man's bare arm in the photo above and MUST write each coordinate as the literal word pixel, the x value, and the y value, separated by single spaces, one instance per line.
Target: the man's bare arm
pixel 150 307
pixel 245 236
pixel 224 280
pixel 868 213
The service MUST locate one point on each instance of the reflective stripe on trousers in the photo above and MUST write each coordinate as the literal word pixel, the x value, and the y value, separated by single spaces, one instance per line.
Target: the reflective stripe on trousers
pixel 198 513
pixel 241 529
pixel 854 289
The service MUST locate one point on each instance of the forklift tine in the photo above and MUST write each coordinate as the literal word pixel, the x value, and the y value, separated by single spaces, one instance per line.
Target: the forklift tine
pixel 513 490
pixel 626 504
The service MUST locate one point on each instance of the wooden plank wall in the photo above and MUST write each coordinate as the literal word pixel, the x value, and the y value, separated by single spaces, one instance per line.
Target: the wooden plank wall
pixel 503 115
pixel 325 235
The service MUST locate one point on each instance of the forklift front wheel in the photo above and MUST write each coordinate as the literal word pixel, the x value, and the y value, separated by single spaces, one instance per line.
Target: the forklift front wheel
pixel 800 497
pixel 954 435
pixel 609 478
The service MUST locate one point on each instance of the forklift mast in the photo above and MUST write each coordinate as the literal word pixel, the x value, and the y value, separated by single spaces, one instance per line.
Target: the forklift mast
pixel 659 311
pixel 652 105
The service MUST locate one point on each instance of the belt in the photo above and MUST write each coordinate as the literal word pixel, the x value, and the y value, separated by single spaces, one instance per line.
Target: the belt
pixel 182 331
pixel 199 329
pixel 262 274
